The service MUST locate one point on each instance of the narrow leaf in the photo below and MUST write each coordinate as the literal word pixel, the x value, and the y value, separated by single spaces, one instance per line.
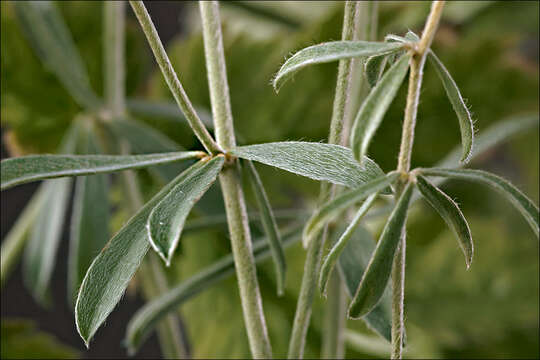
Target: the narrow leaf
pixel 89 223
pixel 465 121
pixel 111 271
pixel 48 34
pixel 316 161
pixel 25 169
pixel 328 52
pixel 371 113
pixel 375 278
pixel 165 110
pixel 146 318
pixel 451 214
pixel 333 255
pixel 373 68
pixel 351 265
pixel 333 208
pixel 270 227
pixel 167 219
pixel 527 208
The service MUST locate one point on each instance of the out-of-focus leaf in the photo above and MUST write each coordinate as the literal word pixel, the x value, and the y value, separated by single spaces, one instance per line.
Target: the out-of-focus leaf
pixel 167 219
pixel 377 274
pixel 525 206
pixel 52 41
pixel 89 222
pixel 270 227
pixel 333 208
pixel 13 243
pixel 465 121
pixel 167 110
pixel 21 340
pixel 337 248
pixel 25 169
pixel 317 161
pixel 371 113
pixel 451 214
pixel 328 52
pixel 351 265
pixel 373 68
pixel 111 271
pixel 144 321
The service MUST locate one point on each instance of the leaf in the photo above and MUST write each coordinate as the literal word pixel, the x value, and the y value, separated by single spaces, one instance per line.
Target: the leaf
pixel 372 111
pixel 168 110
pixel 270 226
pixel 25 169
pixel 373 68
pixel 51 39
pixel 316 161
pixel 13 243
pixel 465 121
pixel 491 137
pixel 333 208
pixel 167 218
pixel 146 318
pixel 337 248
pixel 328 52
pixel 377 274
pixel 111 271
pixel 527 208
pixel 89 223
pixel 351 265
pixel 451 214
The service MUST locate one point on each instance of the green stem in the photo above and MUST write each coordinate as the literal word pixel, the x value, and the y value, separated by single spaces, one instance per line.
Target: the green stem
pixel 231 185
pixel 335 319
pixel 154 282
pixel 172 79
pixel 404 163
pixel 313 258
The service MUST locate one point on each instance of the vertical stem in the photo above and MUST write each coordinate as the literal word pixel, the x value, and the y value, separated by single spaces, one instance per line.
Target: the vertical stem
pixel 172 79
pixel 154 282
pixel 335 317
pixel 404 163
pixel 314 253
pixel 233 195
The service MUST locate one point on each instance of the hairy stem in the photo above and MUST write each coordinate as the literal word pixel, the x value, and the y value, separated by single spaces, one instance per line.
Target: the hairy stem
pixel 404 163
pixel 154 282
pixel 172 79
pixel 233 195
pixel 313 258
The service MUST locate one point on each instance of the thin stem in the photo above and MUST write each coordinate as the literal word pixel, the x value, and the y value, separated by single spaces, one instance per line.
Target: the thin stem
pixel 172 79
pixel 404 163
pixel 154 283
pixel 313 258
pixel 233 195
pixel 335 318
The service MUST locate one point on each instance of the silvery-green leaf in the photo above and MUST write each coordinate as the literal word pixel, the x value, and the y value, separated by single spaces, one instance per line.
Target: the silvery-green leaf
pixel 451 214
pixel 351 265
pixel 317 161
pixel 146 318
pixel 162 109
pixel 89 223
pixel 527 208
pixel 328 52
pixel 111 271
pixel 13 243
pixel 372 111
pixel 346 199
pixel 377 274
pixel 49 36
pixel 465 121
pixel 167 218
pixel 374 68
pixel 339 245
pixel 270 226
pixel 491 137
pixel 25 169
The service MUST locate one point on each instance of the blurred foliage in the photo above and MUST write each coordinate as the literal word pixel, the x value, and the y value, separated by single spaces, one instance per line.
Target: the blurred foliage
pixel 21 340
pixel 490 50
